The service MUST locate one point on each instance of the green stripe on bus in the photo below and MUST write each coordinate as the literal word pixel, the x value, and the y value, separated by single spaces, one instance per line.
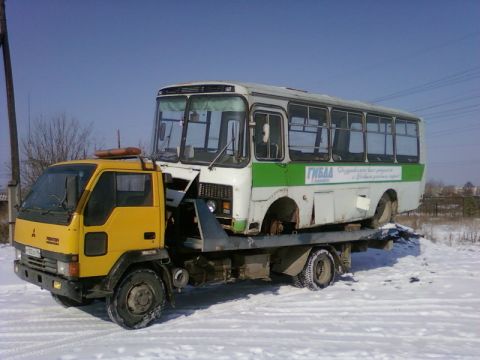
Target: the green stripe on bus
pixel 293 174
pixel 412 172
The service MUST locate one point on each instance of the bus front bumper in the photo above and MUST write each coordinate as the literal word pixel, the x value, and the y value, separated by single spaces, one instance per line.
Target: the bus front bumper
pixel 69 288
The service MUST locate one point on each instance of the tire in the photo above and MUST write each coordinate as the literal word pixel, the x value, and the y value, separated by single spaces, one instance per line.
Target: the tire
pixel 297 281
pixel 319 271
pixel 67 302
pixel 383 213
pixel 138 299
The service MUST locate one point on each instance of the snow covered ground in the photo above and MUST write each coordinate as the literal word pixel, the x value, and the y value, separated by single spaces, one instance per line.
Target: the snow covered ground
pixel 419 301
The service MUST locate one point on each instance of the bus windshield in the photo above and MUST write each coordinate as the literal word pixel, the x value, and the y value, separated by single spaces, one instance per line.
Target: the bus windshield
pixel 170 112
pixel 216 131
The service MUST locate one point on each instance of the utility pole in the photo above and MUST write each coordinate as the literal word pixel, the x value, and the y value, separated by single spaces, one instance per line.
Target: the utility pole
pixel 14 184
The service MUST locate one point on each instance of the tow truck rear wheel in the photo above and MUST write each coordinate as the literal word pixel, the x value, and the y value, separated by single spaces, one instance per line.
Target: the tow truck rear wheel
pixel 297 281
pixel 67 302
pixel 138 300
pixel 319 271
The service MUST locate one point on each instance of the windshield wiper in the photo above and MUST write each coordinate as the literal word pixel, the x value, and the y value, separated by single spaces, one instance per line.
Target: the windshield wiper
pixel 224 148
pixel 219 154
pixel 61 203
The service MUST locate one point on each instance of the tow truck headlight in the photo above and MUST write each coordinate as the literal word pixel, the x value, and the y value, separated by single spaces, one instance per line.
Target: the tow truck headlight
pixel 67 268
pixel 18 254
pixel 212 206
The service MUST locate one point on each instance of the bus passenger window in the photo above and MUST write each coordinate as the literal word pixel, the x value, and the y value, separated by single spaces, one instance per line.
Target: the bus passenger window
pixel 307 133
pixel 406 137
pixel 347 136
pixel 379 139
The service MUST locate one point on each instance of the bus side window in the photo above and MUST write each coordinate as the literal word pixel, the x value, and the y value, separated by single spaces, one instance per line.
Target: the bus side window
pixel 406 137
pixel 273 148
pixel 379 138
pixel 307 133
pixel 347 136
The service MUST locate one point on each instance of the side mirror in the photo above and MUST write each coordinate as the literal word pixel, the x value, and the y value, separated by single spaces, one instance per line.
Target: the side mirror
pixel 71 188
pixel 161 131
pixel 266 133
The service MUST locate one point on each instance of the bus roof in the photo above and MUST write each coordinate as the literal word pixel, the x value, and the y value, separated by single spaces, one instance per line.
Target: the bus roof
pixel 279 92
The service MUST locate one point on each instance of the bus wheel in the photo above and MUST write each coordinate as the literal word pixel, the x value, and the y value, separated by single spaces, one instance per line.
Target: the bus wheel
pixel 319 271
pixel 67 302
pixel 138 300
pixel 383 213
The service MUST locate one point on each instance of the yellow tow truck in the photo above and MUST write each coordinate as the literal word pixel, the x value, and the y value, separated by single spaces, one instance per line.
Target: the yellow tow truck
pixel 118 228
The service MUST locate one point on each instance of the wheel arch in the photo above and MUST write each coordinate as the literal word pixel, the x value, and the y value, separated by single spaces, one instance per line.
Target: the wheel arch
pixel 156 260
pixel 283 208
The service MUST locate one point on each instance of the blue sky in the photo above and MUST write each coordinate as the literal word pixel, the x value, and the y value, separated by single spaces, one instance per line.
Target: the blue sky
pixel 102 62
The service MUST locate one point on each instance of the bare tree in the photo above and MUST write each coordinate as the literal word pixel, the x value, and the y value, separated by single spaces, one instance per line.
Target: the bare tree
pixel 52 140
pixel 468 189
pixel 434 188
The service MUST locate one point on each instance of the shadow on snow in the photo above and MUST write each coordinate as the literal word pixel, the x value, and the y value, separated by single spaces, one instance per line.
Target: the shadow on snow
pixel 193 299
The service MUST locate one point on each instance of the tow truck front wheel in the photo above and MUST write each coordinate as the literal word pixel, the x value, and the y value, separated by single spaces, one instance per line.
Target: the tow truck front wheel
pixel 138 300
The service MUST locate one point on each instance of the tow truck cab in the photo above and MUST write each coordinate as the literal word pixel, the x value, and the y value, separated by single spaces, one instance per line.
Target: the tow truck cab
pixel 84 223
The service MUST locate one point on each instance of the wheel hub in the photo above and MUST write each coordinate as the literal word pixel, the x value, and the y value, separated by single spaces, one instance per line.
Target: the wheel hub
pixel 139 299
pixel 322 272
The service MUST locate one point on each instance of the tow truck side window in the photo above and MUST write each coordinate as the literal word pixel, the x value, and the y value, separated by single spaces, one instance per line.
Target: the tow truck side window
pixel 117 190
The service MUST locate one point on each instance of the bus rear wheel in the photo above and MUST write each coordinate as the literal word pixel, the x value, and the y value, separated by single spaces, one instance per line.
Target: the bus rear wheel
pixel 138 300
pixel 319 271
pixel 383 213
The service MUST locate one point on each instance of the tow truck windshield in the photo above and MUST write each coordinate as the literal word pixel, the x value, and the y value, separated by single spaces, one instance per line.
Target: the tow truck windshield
pixel 55 194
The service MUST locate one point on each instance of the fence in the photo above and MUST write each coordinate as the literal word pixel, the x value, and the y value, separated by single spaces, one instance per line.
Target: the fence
pixel 449 206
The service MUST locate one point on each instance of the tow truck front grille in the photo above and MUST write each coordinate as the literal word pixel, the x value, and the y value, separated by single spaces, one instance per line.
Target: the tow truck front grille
pixel 42 264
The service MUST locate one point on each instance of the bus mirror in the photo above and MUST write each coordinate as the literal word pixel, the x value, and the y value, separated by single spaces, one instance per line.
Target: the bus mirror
pixel 71 191
pixel 161 131
pixel 266 133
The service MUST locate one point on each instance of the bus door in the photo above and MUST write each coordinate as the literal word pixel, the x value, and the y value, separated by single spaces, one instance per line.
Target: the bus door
pixel 269 171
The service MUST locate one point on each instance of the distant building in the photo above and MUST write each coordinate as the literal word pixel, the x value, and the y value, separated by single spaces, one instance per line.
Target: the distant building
pixel 3 203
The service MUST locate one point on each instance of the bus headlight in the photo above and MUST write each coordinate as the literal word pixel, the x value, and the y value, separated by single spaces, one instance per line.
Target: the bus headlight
pixel 212 205
pixel 18 254
pixel 67 268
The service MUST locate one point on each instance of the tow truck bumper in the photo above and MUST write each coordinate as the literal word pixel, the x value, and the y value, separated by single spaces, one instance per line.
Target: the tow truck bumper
pixel 69 288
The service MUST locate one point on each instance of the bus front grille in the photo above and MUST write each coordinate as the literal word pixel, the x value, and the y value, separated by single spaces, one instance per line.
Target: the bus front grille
pixel 215 191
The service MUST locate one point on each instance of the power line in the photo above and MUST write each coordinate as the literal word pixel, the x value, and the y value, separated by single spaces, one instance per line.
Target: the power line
pixel 464 162
pixel 462 76
pixel 448 111
pixel 394 59
pixel 443 103
pixel 451 117
pixel 452 131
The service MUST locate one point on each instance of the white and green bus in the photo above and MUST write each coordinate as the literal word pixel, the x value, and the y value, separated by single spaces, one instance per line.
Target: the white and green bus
pixel 273 160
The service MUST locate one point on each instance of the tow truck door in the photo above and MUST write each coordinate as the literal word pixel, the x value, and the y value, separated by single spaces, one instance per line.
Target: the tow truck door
pixel 121 214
